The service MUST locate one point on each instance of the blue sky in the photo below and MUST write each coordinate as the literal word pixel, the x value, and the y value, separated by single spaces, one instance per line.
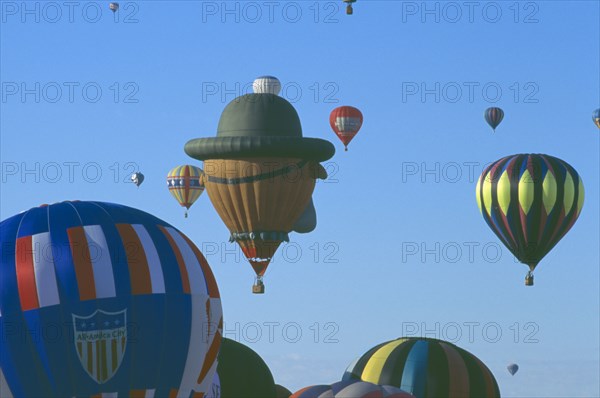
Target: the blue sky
pixel 391 254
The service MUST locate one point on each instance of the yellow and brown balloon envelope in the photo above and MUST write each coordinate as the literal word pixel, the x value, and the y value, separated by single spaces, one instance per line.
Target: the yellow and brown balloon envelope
pixel 260 173
pixel 530 201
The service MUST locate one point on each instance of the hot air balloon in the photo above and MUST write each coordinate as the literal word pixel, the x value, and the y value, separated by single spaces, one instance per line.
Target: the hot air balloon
pixel 512 368
pixel 349 10
pixel 351 389
pixel 596 117
pixel 346 122
pixel 114 7
pixel 99 299
pixel 493 117
pixel 266 84
pixel 260 173
pixel 243 373
pixel 137 178
pixel 186 184
pixel 530 201
pixel 282 392
pixel 426 368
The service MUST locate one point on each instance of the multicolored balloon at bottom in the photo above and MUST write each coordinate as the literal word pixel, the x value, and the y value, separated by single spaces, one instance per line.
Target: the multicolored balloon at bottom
pixel 103 299
pixel 426 368
pixel 351 389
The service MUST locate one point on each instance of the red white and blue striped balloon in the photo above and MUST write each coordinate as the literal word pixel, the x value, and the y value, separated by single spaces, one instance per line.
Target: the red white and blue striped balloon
pixel 100 299
pixel 351 389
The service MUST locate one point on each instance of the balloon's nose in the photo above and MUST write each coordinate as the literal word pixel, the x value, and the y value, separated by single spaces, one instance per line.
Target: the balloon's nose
pixel 307 221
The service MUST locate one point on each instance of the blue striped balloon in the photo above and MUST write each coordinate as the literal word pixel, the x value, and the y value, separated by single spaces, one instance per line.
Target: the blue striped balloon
pixel 103 299
pixel 493 116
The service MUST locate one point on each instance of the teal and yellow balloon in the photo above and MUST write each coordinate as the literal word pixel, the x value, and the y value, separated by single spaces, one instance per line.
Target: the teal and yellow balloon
pixel 596 117
pixel 425 368
pixel 530 201
pixel 186 184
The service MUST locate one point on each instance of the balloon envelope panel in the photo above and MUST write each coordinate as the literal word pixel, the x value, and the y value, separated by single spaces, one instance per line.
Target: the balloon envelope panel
pixel 102 298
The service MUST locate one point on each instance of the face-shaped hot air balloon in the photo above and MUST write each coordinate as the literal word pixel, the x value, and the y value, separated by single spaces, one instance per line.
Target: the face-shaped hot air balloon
pixel 99 298
pixel 530 201
pixel 137 178
pixel 493 117
pixel 266 84
pixel 596 117
pixel 426 368
pixel 512 368
pixel 345 122
pixel 186 184
pixel 260 173
pixel 351 389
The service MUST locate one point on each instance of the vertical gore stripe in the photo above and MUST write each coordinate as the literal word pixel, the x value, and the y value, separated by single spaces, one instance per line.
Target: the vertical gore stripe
pixel 82 263
pixel 25 274
pixel 185 281
pixel 136 260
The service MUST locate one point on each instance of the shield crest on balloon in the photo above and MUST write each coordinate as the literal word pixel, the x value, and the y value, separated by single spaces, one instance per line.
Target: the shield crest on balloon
pixel 100 342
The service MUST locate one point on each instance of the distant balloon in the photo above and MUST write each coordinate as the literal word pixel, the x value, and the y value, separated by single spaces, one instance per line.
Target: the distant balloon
pixel 493 117
pixel 596 117
pixel 137 178
pixel 349 10
pixel 346 121
pixel 186 184
pixel 512 368
pixel 114 7
pixel 266 84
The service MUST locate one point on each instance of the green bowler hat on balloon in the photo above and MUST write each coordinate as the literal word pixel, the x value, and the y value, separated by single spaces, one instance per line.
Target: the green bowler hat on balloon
pixel 259 125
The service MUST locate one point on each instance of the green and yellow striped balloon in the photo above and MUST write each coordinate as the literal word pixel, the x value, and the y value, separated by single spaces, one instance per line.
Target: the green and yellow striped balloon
pixel 530 201
pixel 186 184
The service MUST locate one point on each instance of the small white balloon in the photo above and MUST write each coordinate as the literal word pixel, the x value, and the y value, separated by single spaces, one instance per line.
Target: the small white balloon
pixel 266 84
